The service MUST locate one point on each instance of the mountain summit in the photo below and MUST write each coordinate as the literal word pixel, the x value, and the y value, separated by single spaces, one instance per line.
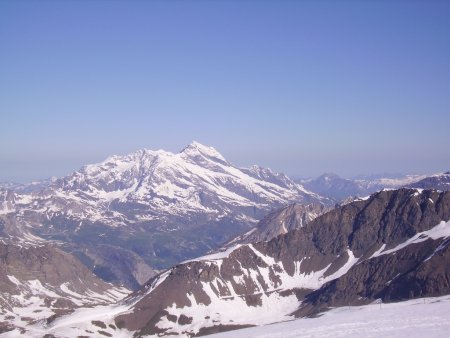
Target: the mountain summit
pixel 154 207
pixel 196 149
pixel 196 179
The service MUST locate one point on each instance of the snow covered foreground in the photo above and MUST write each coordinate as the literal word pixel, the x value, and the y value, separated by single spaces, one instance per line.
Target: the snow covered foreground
pixel 426 317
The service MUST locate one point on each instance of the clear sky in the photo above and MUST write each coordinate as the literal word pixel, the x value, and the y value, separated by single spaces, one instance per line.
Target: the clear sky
pixel 302 87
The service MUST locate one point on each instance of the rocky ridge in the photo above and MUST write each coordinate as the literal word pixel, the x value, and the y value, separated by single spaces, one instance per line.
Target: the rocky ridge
pixel 279 222
pixel 439 182
pixel 392 246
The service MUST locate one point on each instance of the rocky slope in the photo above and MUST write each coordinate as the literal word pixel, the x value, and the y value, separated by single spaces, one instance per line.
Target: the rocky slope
pixel 279 222
pixel 39 283
pixel 392 246
pixel 154 207
pixel 389 247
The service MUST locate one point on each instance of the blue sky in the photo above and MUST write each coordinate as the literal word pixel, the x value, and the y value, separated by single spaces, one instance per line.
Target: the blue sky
pixel 302 87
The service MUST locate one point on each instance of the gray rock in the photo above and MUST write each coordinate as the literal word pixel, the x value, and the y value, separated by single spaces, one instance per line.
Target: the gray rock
pixel 379 248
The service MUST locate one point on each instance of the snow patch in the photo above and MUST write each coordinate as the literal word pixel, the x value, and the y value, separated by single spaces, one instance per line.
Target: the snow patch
pixel 14 280
pixel 215 256
pixel 442 230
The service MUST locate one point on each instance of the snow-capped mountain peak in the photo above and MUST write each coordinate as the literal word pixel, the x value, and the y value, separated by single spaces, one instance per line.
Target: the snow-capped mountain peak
pixel 174 181
pixel 162 196
pixel 195 150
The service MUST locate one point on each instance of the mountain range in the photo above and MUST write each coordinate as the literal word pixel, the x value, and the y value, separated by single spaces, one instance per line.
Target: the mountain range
pixel 339 189
pixel 438 182
pixel 391 246
pixel 209 247
pixel 131 215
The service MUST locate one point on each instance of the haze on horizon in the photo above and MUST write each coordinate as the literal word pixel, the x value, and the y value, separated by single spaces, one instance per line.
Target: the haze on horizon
pixel 301 87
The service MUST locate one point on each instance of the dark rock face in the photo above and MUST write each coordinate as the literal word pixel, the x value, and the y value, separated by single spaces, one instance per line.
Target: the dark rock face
pixel 416 271
pixel 392 246
pixel 386 217
pixel 279 222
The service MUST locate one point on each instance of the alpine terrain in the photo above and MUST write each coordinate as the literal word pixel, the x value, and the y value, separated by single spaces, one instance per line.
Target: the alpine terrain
pixel 391 246
pixel 39 283
pixel 129 216
pixel 340 189
pixel 438 182
pixel 279 222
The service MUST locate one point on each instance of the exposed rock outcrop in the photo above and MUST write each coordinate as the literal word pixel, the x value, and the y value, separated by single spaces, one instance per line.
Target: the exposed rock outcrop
pixel 392 246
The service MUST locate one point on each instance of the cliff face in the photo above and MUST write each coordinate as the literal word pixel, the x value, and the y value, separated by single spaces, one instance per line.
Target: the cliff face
pixel 392 246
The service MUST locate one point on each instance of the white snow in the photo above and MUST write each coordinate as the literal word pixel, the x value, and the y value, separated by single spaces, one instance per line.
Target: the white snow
pixel 78 323
pixel 365 198
pixel 28 308
pixel 418 318
pixel 267 259
pixel 161 278
pixel 76 297
pixel 274 308
pixel 379 251
pixel 311 280
pixel 38 289
pixel 428 317
pixel 283 228
pixel 442 230
pixel 197 148
pixel 352 260
pixel 14 280
pixel 215 256
pixel 168 183
pixel 227 303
